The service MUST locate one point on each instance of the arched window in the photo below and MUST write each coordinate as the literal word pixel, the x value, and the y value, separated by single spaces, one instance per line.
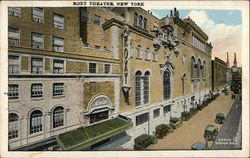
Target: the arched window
pixel 204 70
pixel 192 68
pixel 36 121
pixel 138 88
pixel 145 23
pixel 147 54
pixel 146 87
pixel 199 69
pixel 58 117
pixel 136 18
pixel 138 49
pixel 13 125
pixel 140 21
pixel 166 85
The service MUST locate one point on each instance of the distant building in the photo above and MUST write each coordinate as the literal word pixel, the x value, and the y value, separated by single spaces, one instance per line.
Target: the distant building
pixel 229 73
pixel 219 74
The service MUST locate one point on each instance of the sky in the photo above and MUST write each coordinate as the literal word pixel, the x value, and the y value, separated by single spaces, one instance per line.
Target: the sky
pixel 223 27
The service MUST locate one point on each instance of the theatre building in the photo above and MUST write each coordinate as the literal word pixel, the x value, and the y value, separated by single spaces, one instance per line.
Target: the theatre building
pixel 97 78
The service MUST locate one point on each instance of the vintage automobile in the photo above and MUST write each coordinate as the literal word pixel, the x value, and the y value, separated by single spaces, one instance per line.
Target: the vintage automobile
pixel 233 96
pixel 163 130
pixel 198 146
pixel 210 133
pixel 220 118
pixel 175 122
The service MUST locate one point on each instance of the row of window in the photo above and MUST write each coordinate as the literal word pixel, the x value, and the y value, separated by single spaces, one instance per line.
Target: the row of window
pixel 37 40
pixel 200 69
pixel 35 121
pixel 38 16
pixel 140 119
pixel 142 87
pixel 198 44
pixel 140 21
pixel 85 17
pixel 36 90
pixel 147 53
pixel 37 66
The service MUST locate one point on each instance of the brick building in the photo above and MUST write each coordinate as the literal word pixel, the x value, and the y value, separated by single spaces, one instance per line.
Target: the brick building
pixel 94 67
pixel 219 74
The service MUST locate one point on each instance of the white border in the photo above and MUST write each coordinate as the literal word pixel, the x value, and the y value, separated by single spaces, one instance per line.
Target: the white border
pixel 241 5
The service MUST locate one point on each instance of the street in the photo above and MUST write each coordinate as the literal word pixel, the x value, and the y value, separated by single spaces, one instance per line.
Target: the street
pixel 229 136
pixel 192 130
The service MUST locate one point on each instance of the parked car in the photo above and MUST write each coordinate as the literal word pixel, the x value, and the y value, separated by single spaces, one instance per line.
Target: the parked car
pixel 233 96
pixel 210 133
pixel 220 118
pixel 175 122
pixel 198 146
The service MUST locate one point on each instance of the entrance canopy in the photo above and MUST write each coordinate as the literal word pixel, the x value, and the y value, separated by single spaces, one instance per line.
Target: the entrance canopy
pixel 83 138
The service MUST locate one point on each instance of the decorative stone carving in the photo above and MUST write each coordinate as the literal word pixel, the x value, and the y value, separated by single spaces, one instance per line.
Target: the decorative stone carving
pixel 165 37
pixel 101 102
pixel 167 66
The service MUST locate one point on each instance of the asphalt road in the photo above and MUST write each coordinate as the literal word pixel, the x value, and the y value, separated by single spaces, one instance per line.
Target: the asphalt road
pixel 229 136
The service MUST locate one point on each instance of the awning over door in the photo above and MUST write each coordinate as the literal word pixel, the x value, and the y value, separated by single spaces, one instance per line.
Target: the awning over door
pixel 82 138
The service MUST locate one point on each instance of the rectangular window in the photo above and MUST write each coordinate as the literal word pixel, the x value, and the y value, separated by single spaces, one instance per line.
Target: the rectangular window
pixel 96 117
pixel 14 63
pixel 92 68
pixel 107 68
pixel 38 15
pixel 36 90
pixel 167 108
pixel 36 65
pixel 13 37
pixel 59 21
pixel 97 20
pixel 13 91
pixel 156 113
pixel 142 118
pixel 58 89
pixel 37 40
pixel 14 11
pixel 58 44
pixel 58 66
pixel 84 15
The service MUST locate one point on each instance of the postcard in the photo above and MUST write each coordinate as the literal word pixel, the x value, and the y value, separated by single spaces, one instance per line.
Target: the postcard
pixel 124 79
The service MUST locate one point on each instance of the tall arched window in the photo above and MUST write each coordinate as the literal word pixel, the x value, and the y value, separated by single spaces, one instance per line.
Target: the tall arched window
pixel 199 69
pixel 58 117
pixel 192 68
pixel 140 21
pixel 136 19
pixel 145 21
pixel 13 125
pixel 204 70
pixel 146 87
pixel 166 85
pixel 138 88
pixel 36 121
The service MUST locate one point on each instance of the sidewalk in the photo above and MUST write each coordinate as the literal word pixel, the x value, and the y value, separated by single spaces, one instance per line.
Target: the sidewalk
pixel 192 130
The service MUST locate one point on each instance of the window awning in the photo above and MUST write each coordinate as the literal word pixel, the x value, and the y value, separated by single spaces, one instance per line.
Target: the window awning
pixel 82 138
